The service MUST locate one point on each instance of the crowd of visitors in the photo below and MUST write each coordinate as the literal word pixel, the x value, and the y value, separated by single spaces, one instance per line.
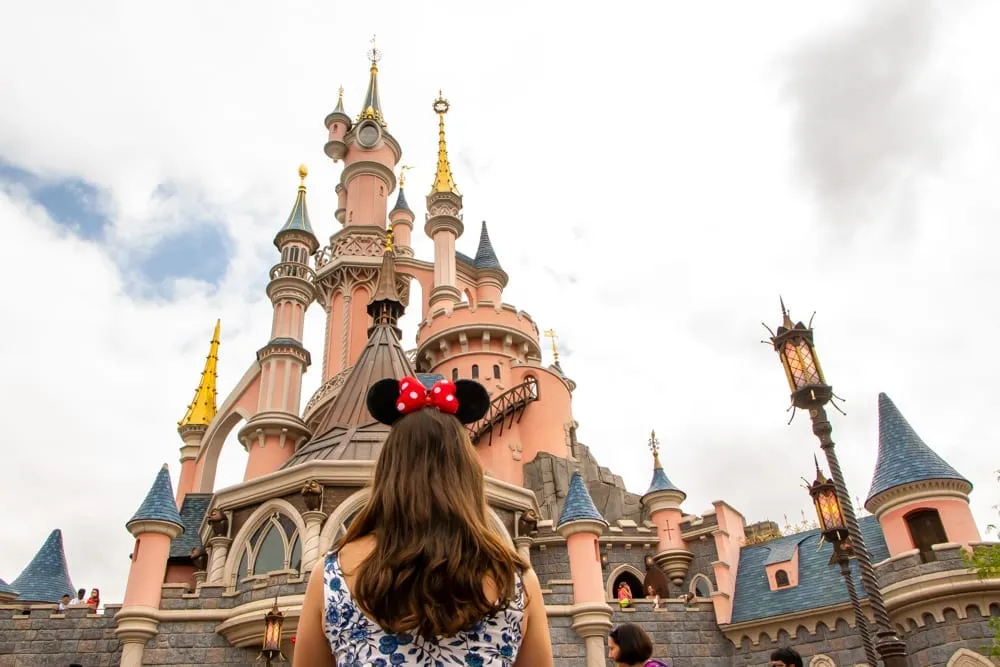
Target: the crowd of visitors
pixel 94 601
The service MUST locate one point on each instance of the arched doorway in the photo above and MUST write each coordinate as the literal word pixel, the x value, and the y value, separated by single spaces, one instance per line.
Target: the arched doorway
pixel 658 580
pixel 629 578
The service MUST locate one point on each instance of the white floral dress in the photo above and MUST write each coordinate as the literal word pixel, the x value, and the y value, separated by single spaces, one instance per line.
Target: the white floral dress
pixel 358 641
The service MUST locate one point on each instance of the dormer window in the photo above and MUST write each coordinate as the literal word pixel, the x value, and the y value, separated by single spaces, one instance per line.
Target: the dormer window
pixel 926 530
pixel 781 578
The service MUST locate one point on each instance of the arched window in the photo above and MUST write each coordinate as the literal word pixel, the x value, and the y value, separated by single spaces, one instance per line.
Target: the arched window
pixel 496 372
pixel 454 374
pixel 701 587
pixel 926 530
pixel 475 371
pixel 781 578
pixel 275 545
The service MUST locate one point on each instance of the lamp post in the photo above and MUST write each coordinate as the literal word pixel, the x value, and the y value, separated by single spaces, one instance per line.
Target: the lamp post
pixel 271 648
pixel 834 530
pixel 794 344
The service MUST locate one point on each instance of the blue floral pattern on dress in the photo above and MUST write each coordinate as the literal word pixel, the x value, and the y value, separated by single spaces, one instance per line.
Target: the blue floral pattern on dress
pixel 358 641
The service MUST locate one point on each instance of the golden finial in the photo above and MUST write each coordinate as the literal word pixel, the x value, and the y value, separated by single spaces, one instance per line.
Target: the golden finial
pixel 374 55
pixel 388 240
pixel 402 175
pixel 303 172
pixel 443 181
pixel 340 94
pixel 202 409
pixel 654 446
pixel 786 319
pixel 551 333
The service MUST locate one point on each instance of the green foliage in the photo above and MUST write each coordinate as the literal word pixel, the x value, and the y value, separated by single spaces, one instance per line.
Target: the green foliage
pixel 986 562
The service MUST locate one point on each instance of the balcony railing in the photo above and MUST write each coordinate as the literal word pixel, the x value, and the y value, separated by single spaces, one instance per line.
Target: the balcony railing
pixel 505 411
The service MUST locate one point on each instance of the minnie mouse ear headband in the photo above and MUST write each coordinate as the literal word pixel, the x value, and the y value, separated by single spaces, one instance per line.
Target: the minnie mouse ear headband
pixel 389 399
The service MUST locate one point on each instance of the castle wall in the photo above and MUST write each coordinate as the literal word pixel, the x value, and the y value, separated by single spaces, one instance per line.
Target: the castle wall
pixel 933 644
pixel 44 638
pixel 567 646
pixel 842 644
pixel 550 563
pixel 705 553
pixel 685 636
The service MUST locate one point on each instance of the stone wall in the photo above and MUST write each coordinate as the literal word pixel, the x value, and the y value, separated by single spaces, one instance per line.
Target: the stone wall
pixel 842 644
pixel 44 638
pixel 550 563
pixel 909 566
pixel 685 637
pixel 705 553
pixel 567 646
pixel 932 644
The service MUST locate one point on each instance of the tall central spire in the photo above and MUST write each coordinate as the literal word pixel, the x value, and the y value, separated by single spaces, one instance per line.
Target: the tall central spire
pixel 202 410
pixel 371 108
pixel 443 182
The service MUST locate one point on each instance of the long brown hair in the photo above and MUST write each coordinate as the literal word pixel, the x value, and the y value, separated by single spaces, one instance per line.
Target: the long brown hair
pixel 434 549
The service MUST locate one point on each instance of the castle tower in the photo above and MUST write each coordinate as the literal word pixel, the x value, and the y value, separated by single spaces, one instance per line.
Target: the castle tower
pixel 196 420
pixel 155 524
pixel 918 498
pixel 662 501
pixel 401 220
pixel 581 525
pixel 444 220
pixel 273 433
pixel 492 277
pixel 46 578
pixel 348 270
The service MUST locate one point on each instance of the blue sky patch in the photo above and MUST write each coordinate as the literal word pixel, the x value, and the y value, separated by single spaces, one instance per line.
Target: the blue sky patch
pixel 71 202
pixel 200 252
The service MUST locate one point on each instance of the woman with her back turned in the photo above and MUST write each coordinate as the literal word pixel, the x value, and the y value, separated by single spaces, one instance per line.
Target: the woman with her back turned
pixel 420 578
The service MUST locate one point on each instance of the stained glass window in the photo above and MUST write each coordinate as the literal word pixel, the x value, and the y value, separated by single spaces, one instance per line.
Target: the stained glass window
pixel 270 552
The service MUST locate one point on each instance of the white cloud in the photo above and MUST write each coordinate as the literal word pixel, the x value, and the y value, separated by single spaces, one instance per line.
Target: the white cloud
pixel 644 170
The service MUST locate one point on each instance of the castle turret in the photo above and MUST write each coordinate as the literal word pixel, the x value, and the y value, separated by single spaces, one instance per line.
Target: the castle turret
pixel 401 220
pixel 491 276
pixel 444 220
pixel 196 420
pixel 273 433
pixel 155 525
pixel 338 124
pixel 46 578
pixel 918 498
pixel 662 501
pixel 581 525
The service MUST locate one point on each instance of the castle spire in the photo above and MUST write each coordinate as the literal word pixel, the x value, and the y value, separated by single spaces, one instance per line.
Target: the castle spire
pixel 371 108
pixel 486 257
pixel 202 409
pixel 660 480
pixel 386 306
pixel 443 181
pixel 298 219
pixel 340 101
pixel 46 578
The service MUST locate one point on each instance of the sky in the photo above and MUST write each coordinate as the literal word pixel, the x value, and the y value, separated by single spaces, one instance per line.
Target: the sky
pixel 654 176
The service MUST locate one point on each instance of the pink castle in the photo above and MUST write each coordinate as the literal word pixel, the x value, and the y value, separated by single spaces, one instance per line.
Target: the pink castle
pixel 208 564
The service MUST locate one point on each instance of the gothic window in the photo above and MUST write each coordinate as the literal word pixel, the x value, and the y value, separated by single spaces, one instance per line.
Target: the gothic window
pixel 926 530
pixel 454 374
pixel 781 578
pixel 475 371
pixel 701 587
pixel 496 372
pixel 275 545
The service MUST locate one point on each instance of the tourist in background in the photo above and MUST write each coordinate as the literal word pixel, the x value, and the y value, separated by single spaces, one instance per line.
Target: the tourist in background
pixel 786 657
pixel 630 646
pixel 624 595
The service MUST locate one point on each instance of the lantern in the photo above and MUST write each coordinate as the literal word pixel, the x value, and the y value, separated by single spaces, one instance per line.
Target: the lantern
pixel 604 561
pixel 794 345
pixel 272 634
pixel 649 561
pixel 831 518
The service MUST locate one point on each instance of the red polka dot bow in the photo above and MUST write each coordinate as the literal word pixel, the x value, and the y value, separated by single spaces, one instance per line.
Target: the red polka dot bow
pixel 414 396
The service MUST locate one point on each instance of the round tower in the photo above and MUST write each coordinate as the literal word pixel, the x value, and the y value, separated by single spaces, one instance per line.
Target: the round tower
pixel 662 502
pixel 918 498
pixel 155 525
pixel 198 417
pixel 272 434
pixel 401 220
pixel 581 525
pixel 338 124
pixel 444 220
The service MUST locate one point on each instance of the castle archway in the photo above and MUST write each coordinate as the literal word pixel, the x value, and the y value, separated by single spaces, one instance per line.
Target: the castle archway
pixel 628 574
pixel 216 438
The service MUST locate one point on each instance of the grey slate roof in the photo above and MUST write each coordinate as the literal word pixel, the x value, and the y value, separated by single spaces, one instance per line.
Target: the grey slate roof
pixel 902 456
pixel 159 504
pixel 486 258
pixel 401 202
pixel 462 257
pixel 578 504
pixel 660 482
pixel 193 510
pixel 6 588
pixel 820 583
pixel 46 579
pixel 298 219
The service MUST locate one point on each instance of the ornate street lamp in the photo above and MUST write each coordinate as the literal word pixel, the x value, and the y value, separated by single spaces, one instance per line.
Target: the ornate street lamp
pixel 273 620
pixel 794 344
pixel 834 529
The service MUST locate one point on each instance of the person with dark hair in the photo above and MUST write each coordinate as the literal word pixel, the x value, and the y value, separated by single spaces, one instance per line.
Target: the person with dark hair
pixel 786 657
pixel 421 578
pixel 630 646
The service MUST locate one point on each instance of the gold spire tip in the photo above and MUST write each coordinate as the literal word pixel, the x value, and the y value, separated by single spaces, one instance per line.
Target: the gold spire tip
pixel 340 94
pixel 303 172
pixel 551 333
pixel 402 175
pixel 374 55
pixel 388 240
pixel 202 409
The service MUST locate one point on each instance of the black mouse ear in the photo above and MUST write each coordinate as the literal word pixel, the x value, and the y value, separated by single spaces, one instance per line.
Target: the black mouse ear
pixel 473 401
pixel 382 399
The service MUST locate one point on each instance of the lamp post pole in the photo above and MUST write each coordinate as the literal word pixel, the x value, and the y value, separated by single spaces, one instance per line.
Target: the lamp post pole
pixel 843 558
pixel 794 344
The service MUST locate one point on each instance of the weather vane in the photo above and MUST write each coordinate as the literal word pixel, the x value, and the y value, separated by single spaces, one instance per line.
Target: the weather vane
pixel 551 333
pixel 374 55
pixel 654 444
pixel 402 174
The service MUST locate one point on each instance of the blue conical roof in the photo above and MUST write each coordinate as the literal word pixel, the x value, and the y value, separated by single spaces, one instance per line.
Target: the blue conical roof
pixel 902 456
pixel 660 481
pixel 486 257
pixel 159 504
pixel 6 588
pixel 298 219
pixel 46 579
pixel 401 204
pixel 578 505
